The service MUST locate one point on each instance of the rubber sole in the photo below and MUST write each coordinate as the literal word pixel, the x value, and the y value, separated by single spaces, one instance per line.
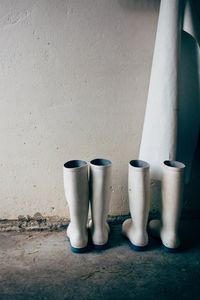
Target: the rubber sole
pixel 79 250
pixel 165 248
pixel 100 247
pixel 135 247
pixel 171 250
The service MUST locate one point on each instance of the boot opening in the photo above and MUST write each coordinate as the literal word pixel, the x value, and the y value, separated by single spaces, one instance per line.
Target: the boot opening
pixel 100 162
pixel 75 164
pixel 174 164
pixel 139 163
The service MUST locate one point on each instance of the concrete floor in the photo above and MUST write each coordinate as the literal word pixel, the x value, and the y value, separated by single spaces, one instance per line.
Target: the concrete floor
pixel 39 265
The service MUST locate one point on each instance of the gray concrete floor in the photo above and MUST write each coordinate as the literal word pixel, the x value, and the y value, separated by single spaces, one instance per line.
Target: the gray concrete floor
pixel 39 265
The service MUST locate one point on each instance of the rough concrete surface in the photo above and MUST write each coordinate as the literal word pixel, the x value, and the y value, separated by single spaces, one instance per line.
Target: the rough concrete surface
pixel 73 85
pixel 39 265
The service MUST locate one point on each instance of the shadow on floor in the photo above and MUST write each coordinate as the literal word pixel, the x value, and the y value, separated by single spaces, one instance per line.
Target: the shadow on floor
pixel 39 265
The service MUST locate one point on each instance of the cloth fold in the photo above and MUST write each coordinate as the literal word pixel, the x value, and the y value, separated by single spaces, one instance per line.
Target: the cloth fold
pixel 172 118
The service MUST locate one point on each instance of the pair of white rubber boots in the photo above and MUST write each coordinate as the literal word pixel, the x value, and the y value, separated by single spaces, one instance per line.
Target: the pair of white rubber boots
pixel 86 184
pixel 135 229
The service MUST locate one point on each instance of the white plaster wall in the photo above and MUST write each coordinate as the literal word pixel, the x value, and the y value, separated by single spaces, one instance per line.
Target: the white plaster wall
pixel 74 76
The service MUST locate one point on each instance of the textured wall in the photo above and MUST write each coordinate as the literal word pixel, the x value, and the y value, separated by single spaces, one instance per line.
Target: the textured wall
pixel 73 84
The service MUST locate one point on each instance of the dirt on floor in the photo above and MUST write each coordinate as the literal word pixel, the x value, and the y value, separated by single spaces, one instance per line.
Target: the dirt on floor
pixel 40 265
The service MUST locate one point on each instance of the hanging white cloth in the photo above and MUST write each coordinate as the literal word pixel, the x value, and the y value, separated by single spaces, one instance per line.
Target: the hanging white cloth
pixel 172 118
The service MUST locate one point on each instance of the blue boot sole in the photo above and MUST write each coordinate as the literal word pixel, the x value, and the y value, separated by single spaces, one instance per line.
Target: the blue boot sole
pixel 79 250
pixel 171 250
pixel 137 248
pixel 100 247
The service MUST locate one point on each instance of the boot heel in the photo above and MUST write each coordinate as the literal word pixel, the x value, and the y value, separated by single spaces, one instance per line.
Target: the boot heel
pixel 171 250
pixel 138 248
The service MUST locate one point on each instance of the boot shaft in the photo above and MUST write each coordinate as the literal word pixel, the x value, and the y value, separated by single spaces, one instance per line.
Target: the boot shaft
pixel 172 193
pixel 139 191
pixel 76 188
pixel 100 189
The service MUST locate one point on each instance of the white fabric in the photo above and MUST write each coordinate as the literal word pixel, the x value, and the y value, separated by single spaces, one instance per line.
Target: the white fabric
pixel 172 120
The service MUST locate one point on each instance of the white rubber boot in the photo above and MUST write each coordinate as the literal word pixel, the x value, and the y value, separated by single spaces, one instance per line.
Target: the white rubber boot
pixel 171 206
pixel 139 203
pixel 100 195
pixel 77 195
